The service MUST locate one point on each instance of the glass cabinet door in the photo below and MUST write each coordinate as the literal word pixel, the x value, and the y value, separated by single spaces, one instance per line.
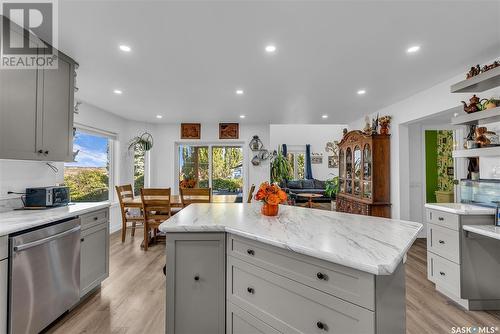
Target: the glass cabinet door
pixel 357 171
pixel 341 171
pixel 348 170
pixel 367 171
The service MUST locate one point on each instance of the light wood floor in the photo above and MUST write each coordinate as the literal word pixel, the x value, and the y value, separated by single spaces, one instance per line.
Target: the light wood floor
pixel 132 299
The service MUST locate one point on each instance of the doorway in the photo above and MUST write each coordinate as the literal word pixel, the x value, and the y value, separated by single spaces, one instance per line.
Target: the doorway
pixel 439 166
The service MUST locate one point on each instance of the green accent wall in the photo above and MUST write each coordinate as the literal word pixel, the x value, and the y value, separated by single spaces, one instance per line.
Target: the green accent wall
pixel 431 174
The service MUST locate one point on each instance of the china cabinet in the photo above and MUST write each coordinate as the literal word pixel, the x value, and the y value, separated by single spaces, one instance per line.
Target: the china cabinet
pixel 364 174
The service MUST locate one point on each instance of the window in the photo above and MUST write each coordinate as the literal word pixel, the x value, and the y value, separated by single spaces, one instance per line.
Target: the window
pixel 139 168
pixel 88 177
pixel 297 162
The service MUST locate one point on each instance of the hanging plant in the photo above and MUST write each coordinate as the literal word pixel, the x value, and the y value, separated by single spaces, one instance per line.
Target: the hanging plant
pixel 143 142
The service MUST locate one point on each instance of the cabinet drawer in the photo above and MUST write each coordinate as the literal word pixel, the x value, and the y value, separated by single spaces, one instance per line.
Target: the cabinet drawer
pixel 242 322
pixel 291 307
pixel 442 218
pixel 4 247
pixel 94 218
pixel 346 283
pixel 94 257
pixel 444 273
pixel 443 242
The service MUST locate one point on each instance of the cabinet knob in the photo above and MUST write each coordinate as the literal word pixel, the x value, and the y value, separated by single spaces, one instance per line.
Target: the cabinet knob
pixel 441 241
pixel 251 290
pixel 442 273
pixel 251 252
pixel 40 151
pixel 440 218
pixel 95 218
pixel 321 325
pixel 82 239
pixel 46 152
pixel 322 276
pixel 197 277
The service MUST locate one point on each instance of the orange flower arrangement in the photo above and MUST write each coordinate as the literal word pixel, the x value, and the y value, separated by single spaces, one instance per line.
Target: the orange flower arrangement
pixel 270 194
pixel 187 183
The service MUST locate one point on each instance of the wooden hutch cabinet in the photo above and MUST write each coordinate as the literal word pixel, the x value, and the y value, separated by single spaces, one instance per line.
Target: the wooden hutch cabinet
pixel 364 174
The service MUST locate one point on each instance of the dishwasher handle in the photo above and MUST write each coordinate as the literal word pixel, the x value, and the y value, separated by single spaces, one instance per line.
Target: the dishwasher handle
pixel 20 248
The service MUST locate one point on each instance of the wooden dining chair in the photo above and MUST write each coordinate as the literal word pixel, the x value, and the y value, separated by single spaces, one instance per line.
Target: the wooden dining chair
pixel 250 193
pixel 156 208
pixel 132 216
pixel 195 195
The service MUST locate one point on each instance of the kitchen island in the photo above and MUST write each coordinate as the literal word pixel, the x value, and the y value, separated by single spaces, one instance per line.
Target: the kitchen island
pixel 230 269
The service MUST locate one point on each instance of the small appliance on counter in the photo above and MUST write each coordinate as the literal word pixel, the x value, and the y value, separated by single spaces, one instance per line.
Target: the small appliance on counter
pixel 46 197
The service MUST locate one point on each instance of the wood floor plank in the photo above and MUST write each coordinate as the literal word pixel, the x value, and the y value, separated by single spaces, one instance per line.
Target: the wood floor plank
pixel 132 299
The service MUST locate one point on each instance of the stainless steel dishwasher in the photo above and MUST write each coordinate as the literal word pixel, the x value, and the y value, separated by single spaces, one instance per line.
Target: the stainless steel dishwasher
pixel 44 275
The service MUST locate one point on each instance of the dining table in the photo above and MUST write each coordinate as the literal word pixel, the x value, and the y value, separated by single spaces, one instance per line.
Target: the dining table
pixel 136 202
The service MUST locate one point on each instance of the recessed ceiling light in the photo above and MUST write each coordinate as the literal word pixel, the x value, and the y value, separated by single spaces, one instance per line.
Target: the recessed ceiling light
pixel 118 92
pixel 125 48
pixel 413 49
pixel 361 92
pixel 242 116
pixel 270 48
pixel 324 116
pixel 239 92
pixel 159 116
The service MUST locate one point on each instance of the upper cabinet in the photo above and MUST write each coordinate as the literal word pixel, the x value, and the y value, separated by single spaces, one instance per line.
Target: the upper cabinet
pixel 36 112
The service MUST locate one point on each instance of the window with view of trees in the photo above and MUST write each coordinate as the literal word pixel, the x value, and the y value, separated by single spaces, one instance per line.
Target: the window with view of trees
pixel 139 167
pixel 88 176
pixel 297 162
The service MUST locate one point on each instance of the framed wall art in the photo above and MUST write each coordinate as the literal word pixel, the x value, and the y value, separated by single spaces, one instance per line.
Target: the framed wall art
pixel 190 131
pixel 229 130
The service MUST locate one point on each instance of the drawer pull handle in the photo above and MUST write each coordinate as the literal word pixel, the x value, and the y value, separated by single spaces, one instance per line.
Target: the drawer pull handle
pixel 441 242
pixel 251 252
pixel 440 218
pixel 322 276
pixel 95 218
pixel 322 326
pixel 442 273
pixel 82 239
pixel 251 290
pixel 197 277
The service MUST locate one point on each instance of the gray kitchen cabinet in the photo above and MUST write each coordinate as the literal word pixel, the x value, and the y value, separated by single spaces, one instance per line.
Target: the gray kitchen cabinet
pixel 4 277
pixel 94 251
pixel 36 111
pixel 196 283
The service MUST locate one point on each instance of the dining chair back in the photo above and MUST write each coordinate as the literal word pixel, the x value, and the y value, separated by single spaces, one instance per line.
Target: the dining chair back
pixel 250 193
pixel 131 217
pixel 195 195
pixel 156 208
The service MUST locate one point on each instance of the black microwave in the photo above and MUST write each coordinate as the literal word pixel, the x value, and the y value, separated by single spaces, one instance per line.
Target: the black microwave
pixel 47 196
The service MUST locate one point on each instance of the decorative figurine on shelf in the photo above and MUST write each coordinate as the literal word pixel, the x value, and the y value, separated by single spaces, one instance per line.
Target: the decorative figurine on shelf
pixel 491 66
pixel 473 104
pixel 470 140
pixel 375 125
pixel 367 130
pixel 475 70
pixel 481 137
pixel 271 195
pixel 385 122
pixel 489 103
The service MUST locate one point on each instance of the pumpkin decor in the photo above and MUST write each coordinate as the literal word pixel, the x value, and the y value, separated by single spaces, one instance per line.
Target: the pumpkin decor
pixel 271 196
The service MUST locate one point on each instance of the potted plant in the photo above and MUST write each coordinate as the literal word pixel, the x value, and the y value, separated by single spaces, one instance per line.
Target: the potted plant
pixel 271 196
pixel 331 190
pixel 143 142
pixel 280 168
pixel 384 122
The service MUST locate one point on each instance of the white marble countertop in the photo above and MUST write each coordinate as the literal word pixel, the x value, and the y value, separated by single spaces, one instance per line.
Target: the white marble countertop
pixel 19 220
pixel 461 209
pixel 491 231
pixel 370 244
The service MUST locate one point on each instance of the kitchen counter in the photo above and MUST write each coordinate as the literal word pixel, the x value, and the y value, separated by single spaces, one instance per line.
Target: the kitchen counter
pixel 370 244
pixel 19 220
pixel 461 209
pixel 491 231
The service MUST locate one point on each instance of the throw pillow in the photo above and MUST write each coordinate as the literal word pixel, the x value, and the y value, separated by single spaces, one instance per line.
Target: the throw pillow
pixel 308 184
pixel 318 184
pixel 294 184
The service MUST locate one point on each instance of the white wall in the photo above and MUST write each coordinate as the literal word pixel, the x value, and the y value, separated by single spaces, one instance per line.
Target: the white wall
pixel 428 102
pixel 163 173
pixel 317 135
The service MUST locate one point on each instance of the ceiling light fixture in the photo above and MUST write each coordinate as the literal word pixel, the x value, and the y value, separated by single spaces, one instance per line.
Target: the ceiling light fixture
pixel 242 116
pixel 413 49
pixel 361 92
pixel 125 48
pixel 159 116
pixel 324 116
pixel 118 92
pixel 270 48
pixel 239 92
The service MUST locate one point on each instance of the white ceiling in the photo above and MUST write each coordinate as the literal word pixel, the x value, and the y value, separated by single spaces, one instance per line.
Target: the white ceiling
pixel 188 58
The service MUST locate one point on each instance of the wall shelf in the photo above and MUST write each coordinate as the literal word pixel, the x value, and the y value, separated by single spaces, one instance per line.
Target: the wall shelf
pixel 477 152
pixel 477 118
pixel 481 82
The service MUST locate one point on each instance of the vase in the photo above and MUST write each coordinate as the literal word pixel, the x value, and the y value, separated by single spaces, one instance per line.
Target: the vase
pixel 269 209
pixel 384 129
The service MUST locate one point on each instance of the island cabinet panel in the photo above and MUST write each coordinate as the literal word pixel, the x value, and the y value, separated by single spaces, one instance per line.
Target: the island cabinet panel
pixel 340 281
pixel 4 272
pixel 195 283
pixel 242 322
pixel 291 307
